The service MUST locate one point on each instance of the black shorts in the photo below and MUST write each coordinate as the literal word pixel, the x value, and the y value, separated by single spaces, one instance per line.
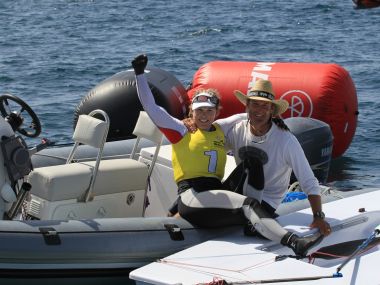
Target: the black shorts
pixel 199 184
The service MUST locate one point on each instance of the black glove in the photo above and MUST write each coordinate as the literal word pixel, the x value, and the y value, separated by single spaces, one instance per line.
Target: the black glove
pixel 255 173
pixel 139 63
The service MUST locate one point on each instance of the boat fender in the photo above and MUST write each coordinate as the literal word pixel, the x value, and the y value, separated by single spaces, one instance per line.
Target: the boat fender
pixel 117 96
pixel 50 236
pixel 174 232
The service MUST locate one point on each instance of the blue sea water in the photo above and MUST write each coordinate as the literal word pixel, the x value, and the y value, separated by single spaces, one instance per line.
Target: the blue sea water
pixel 53 52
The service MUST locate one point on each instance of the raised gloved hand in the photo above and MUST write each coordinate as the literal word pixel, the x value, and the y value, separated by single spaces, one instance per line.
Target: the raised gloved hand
pixel 139 63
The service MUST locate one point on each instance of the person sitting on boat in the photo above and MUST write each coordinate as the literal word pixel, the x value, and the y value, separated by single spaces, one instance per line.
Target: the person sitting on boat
pixel 199 160
pixel 282 151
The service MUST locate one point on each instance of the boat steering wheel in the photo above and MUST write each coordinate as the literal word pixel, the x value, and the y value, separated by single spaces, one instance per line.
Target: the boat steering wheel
pixel 17 118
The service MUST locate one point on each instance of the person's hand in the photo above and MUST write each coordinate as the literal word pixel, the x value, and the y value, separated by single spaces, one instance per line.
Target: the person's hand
pixel 322 225
pixel 190 125
pixel 139 63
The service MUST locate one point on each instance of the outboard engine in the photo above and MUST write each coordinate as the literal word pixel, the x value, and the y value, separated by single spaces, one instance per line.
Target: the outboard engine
pixel 316 140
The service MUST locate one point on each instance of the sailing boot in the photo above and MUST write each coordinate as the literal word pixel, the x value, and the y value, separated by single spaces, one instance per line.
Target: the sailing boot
pixel 300 245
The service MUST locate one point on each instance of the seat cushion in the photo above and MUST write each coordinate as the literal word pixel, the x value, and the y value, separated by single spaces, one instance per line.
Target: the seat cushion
pixel 120 175
pixel 70 181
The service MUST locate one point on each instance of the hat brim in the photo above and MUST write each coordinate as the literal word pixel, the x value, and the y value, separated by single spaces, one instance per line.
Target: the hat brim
pixel 197 105
pixel 280 105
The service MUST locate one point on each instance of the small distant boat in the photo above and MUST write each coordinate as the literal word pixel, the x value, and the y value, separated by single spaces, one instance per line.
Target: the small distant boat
pixel 365 4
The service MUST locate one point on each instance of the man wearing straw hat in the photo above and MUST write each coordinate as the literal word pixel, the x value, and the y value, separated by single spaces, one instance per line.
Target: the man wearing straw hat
pixel 284 152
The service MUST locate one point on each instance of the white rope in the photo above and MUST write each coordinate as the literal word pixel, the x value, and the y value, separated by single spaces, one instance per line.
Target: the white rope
pixel 295 187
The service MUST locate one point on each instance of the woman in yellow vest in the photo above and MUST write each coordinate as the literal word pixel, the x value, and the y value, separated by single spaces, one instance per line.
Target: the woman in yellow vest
pixel 199 160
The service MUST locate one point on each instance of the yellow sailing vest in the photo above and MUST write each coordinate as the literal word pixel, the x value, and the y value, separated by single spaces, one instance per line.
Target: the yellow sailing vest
pixel 199 154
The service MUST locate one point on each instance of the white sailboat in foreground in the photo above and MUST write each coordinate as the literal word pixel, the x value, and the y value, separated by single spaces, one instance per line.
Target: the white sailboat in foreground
pixel 348 256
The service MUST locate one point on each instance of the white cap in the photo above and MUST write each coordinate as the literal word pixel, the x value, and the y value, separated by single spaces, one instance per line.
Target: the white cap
pixel 204 100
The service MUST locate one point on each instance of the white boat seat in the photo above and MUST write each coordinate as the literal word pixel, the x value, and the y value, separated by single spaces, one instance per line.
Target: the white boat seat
pixel 114 176
pixel 84 180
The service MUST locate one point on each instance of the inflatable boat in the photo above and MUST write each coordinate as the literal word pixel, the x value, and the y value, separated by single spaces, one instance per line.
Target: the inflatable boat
pixel 95 210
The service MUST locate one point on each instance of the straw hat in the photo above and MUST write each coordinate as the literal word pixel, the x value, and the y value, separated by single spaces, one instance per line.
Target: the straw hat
pixel 263 91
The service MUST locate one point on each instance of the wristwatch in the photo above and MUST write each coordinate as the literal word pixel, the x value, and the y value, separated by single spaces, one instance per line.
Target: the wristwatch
pixel 319 215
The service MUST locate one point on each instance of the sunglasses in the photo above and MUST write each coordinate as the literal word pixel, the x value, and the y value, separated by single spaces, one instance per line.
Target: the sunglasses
pixel 206 98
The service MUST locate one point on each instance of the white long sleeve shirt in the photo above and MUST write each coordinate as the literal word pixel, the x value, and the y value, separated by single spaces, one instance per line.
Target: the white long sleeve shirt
pixel 284 155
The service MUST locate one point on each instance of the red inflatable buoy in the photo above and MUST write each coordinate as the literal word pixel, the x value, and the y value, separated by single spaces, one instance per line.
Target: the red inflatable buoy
pixel 322 91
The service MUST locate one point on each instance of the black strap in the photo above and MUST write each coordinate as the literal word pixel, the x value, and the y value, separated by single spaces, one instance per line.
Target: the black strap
pixel 51 236
pixel 174 232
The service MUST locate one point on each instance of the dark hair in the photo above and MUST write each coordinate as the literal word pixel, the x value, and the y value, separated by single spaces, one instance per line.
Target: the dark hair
pixel 280 123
